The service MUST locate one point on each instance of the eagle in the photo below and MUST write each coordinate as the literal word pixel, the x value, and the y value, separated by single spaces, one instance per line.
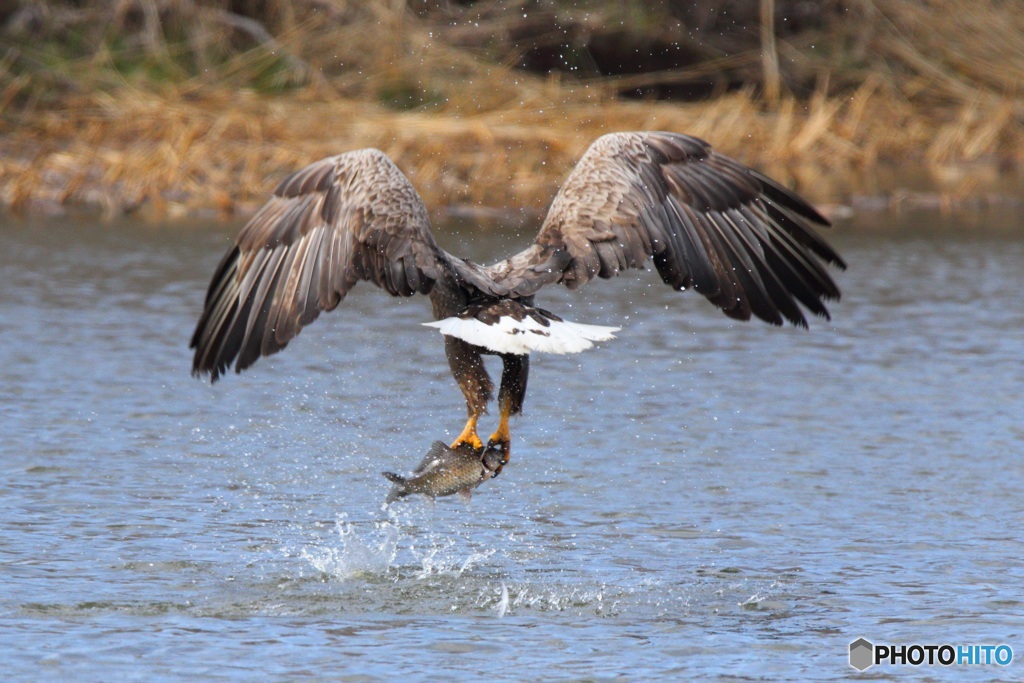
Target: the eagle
pixel 705 221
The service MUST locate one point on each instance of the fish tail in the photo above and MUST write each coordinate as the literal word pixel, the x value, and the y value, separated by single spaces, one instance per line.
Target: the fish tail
pixel 399 490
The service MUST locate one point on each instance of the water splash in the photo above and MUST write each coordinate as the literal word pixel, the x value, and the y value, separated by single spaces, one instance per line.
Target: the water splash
pixel 358 555
pixel 762 597
pixel 551 598
pixel 502 606
pixel 443 556
pixel 401 545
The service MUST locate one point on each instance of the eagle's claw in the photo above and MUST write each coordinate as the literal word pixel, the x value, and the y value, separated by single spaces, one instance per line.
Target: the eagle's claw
pixel 502 445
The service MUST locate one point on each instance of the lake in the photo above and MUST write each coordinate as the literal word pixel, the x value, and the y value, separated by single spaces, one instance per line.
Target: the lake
pixel 699 498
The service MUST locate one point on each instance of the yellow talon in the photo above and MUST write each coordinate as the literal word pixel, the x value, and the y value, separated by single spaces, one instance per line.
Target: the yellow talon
pixel 502 437
pixel 468 436
pixel 502 434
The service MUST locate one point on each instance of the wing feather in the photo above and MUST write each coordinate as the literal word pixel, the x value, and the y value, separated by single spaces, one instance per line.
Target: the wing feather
pixel 288 306
pixel 308 295
pixel 730 297
pixel 698 257
pixel 793 279
pixel 342 219
pixel 737 237
pixel 259 333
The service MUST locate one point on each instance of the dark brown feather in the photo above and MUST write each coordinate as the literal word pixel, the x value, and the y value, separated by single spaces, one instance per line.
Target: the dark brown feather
pixel 708 222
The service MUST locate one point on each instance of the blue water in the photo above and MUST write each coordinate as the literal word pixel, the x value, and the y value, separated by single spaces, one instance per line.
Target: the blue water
pixel 697 499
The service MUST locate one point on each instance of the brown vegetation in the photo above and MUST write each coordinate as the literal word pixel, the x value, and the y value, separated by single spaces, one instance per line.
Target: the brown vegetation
pixel 178 106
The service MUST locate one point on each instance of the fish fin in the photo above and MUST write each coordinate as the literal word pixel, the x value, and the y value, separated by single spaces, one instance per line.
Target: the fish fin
pixel 466 495
pixel 399 489
pixel 433 456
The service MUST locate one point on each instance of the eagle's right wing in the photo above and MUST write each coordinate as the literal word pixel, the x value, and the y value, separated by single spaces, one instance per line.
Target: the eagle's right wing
pixel 346 218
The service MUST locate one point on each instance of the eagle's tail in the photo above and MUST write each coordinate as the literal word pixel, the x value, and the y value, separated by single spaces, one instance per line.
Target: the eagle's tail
pixel 507 326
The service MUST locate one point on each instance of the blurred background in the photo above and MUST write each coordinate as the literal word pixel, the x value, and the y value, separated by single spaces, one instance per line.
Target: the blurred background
pixel 168 108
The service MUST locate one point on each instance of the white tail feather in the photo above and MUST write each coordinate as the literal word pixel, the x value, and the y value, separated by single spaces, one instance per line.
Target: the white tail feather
pixel 523 336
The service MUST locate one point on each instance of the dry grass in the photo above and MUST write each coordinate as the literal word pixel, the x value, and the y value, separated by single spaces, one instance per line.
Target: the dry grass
pixel 481 133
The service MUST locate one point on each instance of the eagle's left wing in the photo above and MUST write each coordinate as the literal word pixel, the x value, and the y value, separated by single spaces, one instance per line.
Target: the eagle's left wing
pixel 708 222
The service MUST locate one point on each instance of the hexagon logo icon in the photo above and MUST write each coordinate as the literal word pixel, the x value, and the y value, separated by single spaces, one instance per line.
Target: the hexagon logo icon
pixel 862 654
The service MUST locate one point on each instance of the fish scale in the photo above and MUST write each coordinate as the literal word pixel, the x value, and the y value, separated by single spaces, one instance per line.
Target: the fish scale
pixel 445 471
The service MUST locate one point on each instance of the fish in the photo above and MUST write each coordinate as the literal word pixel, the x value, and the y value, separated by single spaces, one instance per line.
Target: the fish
pixel 445 471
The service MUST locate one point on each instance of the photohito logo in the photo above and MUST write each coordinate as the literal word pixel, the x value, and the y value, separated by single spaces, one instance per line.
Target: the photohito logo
pixel 864 654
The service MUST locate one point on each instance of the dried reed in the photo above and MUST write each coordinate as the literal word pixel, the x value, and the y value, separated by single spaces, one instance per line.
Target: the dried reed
pixel 467 129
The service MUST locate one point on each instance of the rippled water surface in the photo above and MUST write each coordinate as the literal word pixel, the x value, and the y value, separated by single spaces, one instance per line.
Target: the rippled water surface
pixel 699 498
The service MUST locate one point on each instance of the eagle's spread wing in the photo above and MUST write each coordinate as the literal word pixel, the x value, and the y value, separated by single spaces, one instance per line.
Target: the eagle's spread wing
pixel 708 222
pixel 346 218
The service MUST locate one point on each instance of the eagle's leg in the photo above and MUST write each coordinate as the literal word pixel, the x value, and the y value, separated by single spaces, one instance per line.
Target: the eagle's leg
pixel 467 367
pixel 514 373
